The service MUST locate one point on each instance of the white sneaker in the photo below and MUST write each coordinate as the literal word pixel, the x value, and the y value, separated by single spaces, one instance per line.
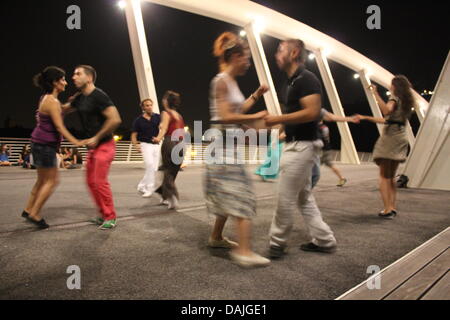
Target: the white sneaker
pixel 254 260
pixel 147 194
pixel 172 203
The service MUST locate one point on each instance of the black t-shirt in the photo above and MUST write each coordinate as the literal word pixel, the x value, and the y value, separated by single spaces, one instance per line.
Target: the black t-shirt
pixel 302 83
pixel 90 109
pixel 146 129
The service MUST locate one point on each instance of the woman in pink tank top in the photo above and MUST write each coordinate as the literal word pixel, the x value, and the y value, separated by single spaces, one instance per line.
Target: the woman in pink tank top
pixel 45 140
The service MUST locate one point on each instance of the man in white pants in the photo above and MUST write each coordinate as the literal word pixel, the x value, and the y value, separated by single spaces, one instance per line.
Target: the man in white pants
pixel 302 103
pixel 145 129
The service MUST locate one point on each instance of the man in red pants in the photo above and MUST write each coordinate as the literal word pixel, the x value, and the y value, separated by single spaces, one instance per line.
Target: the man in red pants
pixel 99 118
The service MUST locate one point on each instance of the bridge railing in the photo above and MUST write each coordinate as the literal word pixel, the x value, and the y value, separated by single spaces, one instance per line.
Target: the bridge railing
pixel 195 154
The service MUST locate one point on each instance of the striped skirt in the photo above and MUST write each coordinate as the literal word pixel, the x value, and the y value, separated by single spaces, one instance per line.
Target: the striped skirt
pixel 228 191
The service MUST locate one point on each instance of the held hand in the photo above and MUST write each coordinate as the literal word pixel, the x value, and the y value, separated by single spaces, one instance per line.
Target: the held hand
pixel 80 143
pixel 271 120
pixel 355 118
pixel 91 143
pixel 261 114
pixel 156 140
pixel 359 117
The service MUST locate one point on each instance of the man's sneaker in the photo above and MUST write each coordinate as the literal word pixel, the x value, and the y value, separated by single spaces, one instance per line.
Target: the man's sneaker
pixel 276 252
pixel 225 243
pixel 342 182
pixel 314 248
pixel 147 194
pixel 97 220
pixel 254 260
pixel 108 224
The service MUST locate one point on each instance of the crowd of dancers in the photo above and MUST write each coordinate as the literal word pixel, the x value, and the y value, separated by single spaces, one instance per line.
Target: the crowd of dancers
pixel 303 144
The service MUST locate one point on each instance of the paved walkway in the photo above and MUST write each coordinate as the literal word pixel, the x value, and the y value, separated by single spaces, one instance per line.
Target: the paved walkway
pixel 159 254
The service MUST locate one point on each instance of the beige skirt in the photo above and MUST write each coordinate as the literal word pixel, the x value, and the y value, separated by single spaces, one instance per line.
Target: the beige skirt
pixel 392 145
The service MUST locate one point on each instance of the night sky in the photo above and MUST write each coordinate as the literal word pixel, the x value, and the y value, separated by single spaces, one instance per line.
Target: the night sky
pixel 414 41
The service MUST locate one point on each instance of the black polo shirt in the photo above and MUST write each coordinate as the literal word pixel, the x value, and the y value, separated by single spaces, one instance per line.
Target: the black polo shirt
pixel 90 109
pixel 302 83
pixel 146 129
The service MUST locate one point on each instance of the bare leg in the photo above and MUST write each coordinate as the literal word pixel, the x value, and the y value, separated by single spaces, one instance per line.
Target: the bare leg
pixel 336 171
pixel 50 181
pixel 218 228
pixel 385 187
pixel 393 169
pixel 243 231
pixel 34 191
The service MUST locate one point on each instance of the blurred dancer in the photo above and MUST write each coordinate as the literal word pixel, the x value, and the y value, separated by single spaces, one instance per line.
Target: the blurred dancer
pixel 228 189
pixel 302 101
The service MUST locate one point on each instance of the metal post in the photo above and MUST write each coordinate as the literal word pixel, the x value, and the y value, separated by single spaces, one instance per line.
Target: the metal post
pixel 262 68
pixel 139 48
pixel 348 150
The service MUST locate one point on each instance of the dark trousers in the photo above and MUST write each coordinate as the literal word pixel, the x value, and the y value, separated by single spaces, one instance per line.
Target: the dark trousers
pixel 168 187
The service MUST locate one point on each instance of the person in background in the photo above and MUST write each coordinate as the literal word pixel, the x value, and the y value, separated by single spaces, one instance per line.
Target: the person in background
pixel 77 159
pixel 24 157
pixel 172 126
pixel 324 134
pixel 5 153
pixel 145 128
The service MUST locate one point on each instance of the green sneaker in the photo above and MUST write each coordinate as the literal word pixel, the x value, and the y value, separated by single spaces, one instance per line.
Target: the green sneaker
pixel 97 220
pixel 108 224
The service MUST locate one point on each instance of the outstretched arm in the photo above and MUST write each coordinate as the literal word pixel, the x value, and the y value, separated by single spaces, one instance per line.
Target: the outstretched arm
pixel 331 117
pixel 371 119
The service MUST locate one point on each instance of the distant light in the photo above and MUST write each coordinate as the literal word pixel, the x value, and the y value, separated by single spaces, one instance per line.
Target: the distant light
pixel 122 4
pixel 186 129
pixel 388 93
pixel 311 56
pixel 412 109
pixel 117 138
pixel 242 33
pixel 356 76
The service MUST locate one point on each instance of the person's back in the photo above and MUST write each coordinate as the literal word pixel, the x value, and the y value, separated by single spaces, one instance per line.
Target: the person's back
pixel 176 122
